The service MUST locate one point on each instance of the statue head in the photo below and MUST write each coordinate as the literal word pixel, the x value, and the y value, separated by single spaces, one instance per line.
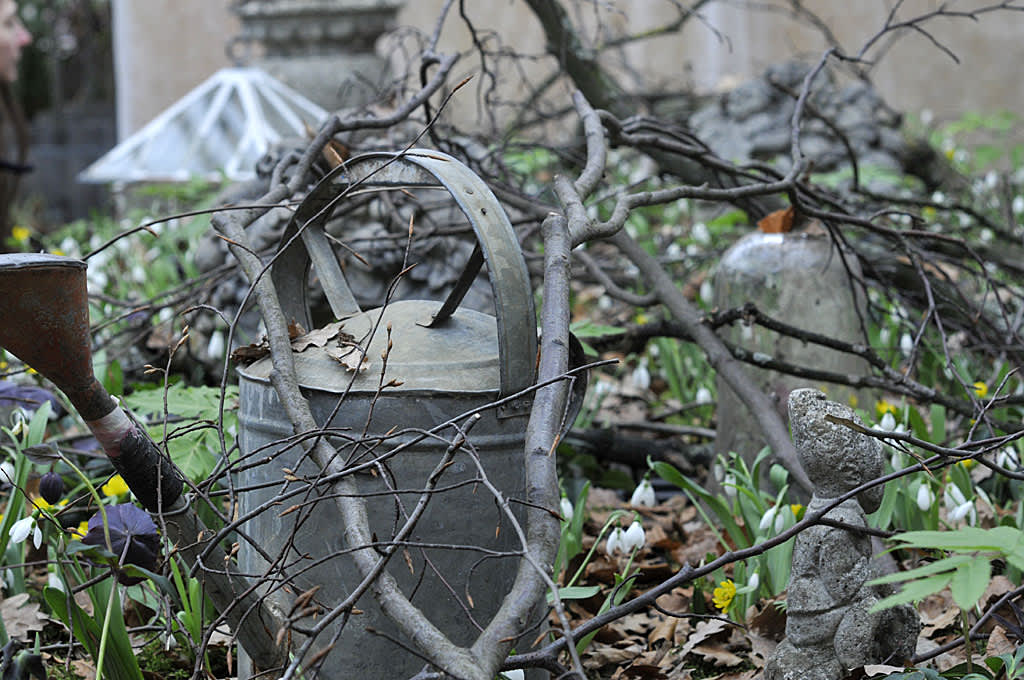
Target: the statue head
pixel 835 457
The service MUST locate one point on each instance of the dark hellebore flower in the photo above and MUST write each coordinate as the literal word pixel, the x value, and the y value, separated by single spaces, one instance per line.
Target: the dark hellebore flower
pixel 51 487
pixel 28 397
pixel 130 526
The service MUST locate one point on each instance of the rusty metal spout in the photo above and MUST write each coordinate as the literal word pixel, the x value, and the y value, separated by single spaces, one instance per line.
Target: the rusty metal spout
pixel 45 323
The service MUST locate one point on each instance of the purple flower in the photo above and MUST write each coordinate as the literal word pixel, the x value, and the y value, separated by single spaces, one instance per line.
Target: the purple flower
pixel 129 526
pixel 51 487
pixel 28 397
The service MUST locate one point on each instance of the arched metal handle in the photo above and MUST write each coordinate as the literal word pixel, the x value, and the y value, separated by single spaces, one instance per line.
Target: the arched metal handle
pixel 306 244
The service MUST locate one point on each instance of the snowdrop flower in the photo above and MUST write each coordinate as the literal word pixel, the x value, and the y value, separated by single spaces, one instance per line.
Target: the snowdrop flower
pixel 673 250
pixel 888 422
pixel 7 472
pixel 641 376
pixel 927 117
pixel 53 580
pixel 906 344
pixel 729 486
pixel 746 332
pixel 215 348
pixel 703 396
pixel 754 582
pixel 615 540
pixel 925 497
pixel 884 336
pixel 986 235
pixel 701 234
pixel 991 179
pixel 693 250
pixel 643 494
pixel 633 538
pixel 602 388
pixel 772 519
pixel 515 674
pixel 24 528
pixel 1007 458
pixel 1018 204
pixel 958 506
pixel 707 292
pixel 565 507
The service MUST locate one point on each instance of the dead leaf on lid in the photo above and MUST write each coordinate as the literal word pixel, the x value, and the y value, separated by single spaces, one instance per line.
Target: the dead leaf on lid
pixel 20 616
pixel 778 222
pixel 998 644
pixel 251 353
pixel 349 356
pixel 318 337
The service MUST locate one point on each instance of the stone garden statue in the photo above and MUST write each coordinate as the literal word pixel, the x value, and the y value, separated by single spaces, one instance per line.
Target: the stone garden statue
pixel 830 629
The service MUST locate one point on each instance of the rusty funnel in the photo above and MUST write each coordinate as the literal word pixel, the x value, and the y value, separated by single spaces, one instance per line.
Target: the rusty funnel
pixel 45 323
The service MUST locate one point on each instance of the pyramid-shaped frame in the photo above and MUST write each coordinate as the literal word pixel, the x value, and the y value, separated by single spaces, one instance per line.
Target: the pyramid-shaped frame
pixel 217 131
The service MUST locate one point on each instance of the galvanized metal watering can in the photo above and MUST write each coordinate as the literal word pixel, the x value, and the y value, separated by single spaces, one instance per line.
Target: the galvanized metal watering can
pixel 442 363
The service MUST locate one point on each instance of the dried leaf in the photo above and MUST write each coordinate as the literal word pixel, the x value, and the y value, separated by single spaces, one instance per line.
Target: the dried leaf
pixel 778 222
pixel 21 617
pixel 703 631
pixel 251 353
pixel 720 656
pixel 295 330
pixel 318 337
pixel 349 356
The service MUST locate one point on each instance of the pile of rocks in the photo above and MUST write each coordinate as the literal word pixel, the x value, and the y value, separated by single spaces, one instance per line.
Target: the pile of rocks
pixel 754 122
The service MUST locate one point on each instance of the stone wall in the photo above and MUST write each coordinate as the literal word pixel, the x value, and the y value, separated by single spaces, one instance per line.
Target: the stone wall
pixel 168 46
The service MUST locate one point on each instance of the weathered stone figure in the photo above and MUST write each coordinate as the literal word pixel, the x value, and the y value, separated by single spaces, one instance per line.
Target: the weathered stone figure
pixel 829 628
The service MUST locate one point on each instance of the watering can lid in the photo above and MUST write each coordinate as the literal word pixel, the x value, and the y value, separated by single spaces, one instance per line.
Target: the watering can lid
pixel 461 355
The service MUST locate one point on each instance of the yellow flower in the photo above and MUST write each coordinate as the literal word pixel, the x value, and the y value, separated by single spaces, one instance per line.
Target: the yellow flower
pixel 43 504
pixel 853 401
pixel 641 318
pixel 81 530
pixel 967 463
pixel 928 212
pixel 20 234
pixel 950 153
pixel 57 251
pixel 882 407
pixel 115 487
pixel 798 510
pixel 723 594
pixel 980 389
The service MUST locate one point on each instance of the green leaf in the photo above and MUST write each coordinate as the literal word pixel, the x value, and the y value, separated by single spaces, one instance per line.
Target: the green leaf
pixel 575 593
pixel 948 564
pixel 914 591
pixel 965 538
pixel 969 582
pixel 717 505
pixel 589 329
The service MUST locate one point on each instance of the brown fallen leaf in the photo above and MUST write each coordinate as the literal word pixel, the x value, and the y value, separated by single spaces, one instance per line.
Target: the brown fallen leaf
pixel 349 356
pixel 251 353
pixel 21 617
pixel 317 337
pixel 778 222
pixel 703 631
pixel 720 656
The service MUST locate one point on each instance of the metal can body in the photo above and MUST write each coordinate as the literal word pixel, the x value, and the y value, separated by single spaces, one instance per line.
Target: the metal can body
pixel 462 556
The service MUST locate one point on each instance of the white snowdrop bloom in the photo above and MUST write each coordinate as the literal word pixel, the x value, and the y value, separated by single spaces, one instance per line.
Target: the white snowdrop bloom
pixel 701 234
pixel 991 179
pixel 729 486
pixel 719 473
pixel 938 197
pixel 954 496
pixel 215 348
pixel 906 344
pixel 592 212
pixel 927 116
pixel 96 279
pixel 964 511
pixel 884 336
pixel 565 507
pixel 165 314
pixel 7 472
pixel 641 377
pixel 604 302
pixel 747 332
pixel 53 580
pixel 643 494
pixel 69 246
pixel 1018 204
pixel 515 674
pixel 24 528
pixel 888 422
pixel 897 460
pixel 1007 458
pixel 614 544
pixel 986 235
pixel 633 538
pixel 707 292
pixel 602 388
pixel 753 582
pixel 925 497
pixel 768 519
pixel 693 250
pixel 674 250
pixel 703 396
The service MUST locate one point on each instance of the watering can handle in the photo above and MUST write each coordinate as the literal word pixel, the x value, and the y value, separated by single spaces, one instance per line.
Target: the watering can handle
pixel 305 243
